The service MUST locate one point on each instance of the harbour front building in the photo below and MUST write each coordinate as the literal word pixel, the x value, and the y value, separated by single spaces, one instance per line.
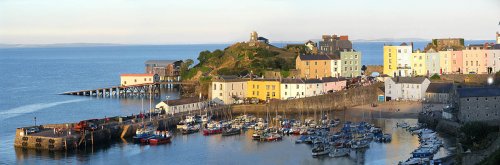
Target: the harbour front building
pixel 167 70
pixel 406 88
pixel 314 66
pixel 263 89
pixel 130 79
pixel 457 62
pixel 228 89
pixel 292 88
pixel 432 62
pixel 479 104
pixel 474 59
pixel 314 87
pixel 445 61
pixel 351 63
pixel 440 93
pixel 181 105
pixel 418 59
pixel 333 84
pixel 397 60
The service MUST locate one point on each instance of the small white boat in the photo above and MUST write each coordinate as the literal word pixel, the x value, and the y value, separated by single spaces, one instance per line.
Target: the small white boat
pixel 339 152
pixel 320 150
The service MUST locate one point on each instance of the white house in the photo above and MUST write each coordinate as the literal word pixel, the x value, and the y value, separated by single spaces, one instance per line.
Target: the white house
pixel 292 88
pixel 336 68
pixel 228 89
pixel 406 88
pixel 314 87
pixel 181 105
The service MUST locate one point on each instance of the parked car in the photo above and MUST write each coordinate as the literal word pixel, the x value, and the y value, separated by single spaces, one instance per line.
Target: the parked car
pixel 33 130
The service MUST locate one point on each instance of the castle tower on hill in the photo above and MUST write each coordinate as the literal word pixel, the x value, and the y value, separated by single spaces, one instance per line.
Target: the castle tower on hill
pixel 254 36
pixel 498 38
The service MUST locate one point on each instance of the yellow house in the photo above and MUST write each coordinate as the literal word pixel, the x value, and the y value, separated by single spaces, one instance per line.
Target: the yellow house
pixel 263 89
pixel 418 59
pixel 390 60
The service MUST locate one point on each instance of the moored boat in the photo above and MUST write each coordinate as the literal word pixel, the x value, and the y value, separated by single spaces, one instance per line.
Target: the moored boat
pixel 339 152
pixel 231 131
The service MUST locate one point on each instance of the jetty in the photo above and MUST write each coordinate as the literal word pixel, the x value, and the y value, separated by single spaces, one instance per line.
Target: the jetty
pixel 66 136
pixel 130 90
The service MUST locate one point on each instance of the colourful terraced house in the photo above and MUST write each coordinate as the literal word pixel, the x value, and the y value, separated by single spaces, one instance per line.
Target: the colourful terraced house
pixel 263 89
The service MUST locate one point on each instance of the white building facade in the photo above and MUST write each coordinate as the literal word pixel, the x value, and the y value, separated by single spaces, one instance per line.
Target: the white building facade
pixel 406 88
pixel 292 89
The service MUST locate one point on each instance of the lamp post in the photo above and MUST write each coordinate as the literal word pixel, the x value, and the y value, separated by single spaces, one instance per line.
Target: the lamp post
pixel 34 120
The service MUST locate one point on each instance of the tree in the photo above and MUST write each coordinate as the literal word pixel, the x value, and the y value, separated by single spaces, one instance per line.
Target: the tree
pixel 363 68
pixel 204 56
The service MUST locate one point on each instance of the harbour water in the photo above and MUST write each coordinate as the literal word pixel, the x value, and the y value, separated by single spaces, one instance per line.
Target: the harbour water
pixel 33 77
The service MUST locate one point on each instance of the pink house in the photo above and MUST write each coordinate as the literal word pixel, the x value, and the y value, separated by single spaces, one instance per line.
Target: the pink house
pixel 456 62
pixel 333 84
pixel 474 59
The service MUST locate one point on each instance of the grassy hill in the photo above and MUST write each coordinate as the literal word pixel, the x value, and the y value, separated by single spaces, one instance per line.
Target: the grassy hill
pixel 238 59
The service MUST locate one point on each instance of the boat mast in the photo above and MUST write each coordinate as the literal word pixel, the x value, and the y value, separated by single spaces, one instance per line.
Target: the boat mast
pixel 150 101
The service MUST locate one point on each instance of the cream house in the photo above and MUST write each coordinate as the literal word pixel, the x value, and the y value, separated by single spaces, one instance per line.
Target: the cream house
pixel 228 89
pixel 181 105
pixel 135 79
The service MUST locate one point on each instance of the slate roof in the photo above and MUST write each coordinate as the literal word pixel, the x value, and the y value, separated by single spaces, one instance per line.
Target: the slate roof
pixel 313 81
pixel 439 88
pixel 229 78
pixel 478 92
pixel 188 100
pixel 409 80
pixel 332 79
pixel 314 57
pixel 292 81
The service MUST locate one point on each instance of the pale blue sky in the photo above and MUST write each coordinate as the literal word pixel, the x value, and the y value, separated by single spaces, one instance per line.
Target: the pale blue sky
pixel 218 21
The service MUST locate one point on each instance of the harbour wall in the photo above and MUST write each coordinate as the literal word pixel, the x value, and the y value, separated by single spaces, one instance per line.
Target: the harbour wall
pixel 123 127
pixel 328 102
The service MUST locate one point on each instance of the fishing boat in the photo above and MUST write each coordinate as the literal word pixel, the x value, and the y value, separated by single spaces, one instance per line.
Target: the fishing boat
pixel 182 125
pixel 231 131
pixel 320 150
pixel 212 131
pixel 301 139
pixel 339 152
pixel 273 137
pixel 160 138
pixel 191 129
pixel 143 133
pixel 257 135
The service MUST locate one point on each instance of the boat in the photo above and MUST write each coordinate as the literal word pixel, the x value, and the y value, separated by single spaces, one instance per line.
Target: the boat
pixel 191 129
pixel 273 137
pixel 301 139
pixel 143 133
pixel 231 131
pixel 257 135
pixel 182 125
pixel 161 138
pixel 212 131
pixel 320 150
pixel 360 144
pixel 339 152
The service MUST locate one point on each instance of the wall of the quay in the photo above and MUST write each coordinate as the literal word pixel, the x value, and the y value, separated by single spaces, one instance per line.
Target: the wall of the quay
pixel 333 101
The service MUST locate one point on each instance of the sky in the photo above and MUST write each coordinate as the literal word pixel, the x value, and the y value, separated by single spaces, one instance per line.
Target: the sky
pixel 227 21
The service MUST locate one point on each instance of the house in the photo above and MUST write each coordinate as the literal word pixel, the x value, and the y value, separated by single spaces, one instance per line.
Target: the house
pixel 130 79
pixel 397 60
pixel 479 104
pixel 439 93
pixel 351 63
pixel 228 89
pixel 263 89
pixel 181 105
pixel 292 88
pixel 314 66
pixel 314 87
pixel 168 70
pixel 406 88
pixel 333 84
pixel 474 60
pixel 333 43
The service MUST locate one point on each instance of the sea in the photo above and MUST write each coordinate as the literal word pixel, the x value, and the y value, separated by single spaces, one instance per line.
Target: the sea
pixel 33 78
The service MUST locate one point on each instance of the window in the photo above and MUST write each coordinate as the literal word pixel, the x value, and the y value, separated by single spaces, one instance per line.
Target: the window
pixel 220 94
pixel 274 94
pixel 302 93
pixel 253 92
pixel 135 80
pixel 307 63
pixel 267 87
pixel 144 79
pixel 232 86
pixel 274 87
pixel 215 87
pixel 297 86
pixel 286 86
pixel 220 86
pixel 125 82
pixel 285 94
pixel 315 63
pixel 267 94
pixel 399 50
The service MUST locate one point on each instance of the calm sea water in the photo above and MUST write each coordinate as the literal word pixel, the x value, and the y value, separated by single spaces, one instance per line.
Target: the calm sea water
pixel 32 78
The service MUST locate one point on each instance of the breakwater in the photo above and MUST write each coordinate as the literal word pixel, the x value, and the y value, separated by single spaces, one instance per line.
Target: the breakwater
pixel 333 101
pixel 56 137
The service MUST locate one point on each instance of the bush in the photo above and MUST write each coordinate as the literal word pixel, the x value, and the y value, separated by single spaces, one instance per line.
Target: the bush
pixel 435 77
pixel 475 133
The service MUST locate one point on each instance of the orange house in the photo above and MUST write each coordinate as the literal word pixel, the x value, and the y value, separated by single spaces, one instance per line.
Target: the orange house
pixel 314 66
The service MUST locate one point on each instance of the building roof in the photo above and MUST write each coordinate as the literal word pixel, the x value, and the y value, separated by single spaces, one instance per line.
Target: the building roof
pixel 478 92
pixel 496 46
pixel 314 57
pixel 182 101
pixel 333 79
pixel 265 79
pixel 409 80
pixel 439 88
pixel 292 81
pixel 313 81
pixel 229 78
pixel 160 62
pixel 136 74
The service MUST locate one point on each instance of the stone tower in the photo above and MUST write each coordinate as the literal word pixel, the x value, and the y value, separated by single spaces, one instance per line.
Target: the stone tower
pixel 254 36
